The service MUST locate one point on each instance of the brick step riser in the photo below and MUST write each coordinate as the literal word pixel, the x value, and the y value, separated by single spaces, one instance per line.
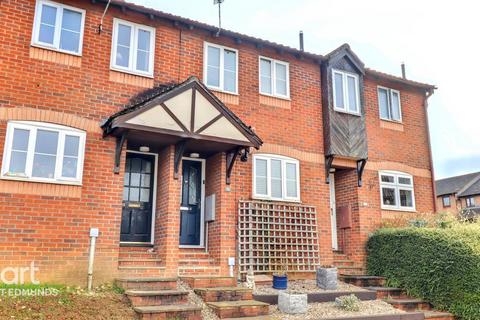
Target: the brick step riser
pixel 161 300
pixel 391 295
pixel 441 318
pixel 210 283
pixel 241 312
pixel 198 272
pixel 184 315
pixel 139 255
pixel 201 263
pixel 344 263
pixel 148 285
pixel 139 263
pixel 365 282
pixel 142 273
pixel 184 256
pixel 412 306
pixel 213 296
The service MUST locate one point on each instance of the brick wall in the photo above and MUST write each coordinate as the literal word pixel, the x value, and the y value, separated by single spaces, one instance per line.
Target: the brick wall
pixel 49 223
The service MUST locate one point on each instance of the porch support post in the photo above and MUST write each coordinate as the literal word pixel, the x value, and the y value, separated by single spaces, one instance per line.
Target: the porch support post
pixel 360 167
pixel 231 157
pixel 179 150
pixel 118 151
pixel 328 166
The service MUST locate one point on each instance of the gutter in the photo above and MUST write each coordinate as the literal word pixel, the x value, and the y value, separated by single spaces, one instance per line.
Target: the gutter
pixel 429 93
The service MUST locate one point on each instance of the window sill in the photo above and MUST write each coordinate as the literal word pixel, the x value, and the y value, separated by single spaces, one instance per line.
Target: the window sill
pixel 398 209
pixel 25 179
pixel 41 46
pixel 50 55
pixel 134 73
pixel 347 112
pixel 275 200
pixel 391 125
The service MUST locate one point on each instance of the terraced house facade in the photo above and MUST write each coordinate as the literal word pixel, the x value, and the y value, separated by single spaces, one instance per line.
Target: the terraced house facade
pixel 193 150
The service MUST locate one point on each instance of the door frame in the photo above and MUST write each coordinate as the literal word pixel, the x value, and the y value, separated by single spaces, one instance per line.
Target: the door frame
pixel 202 207
pixel 333 211
pixel 154 197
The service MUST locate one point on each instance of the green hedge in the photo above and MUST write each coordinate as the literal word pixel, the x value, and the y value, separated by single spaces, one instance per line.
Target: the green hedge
pixel 441 266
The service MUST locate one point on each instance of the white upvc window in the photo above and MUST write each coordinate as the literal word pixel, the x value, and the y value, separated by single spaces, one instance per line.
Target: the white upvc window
pixel 133 48
pixel 446 201
pixel 43 152
pixel 396 191
pixel 276 178
pixel 274 77
pixel 220 68
pixel 389 104
pixel 346 96
pixel 470 202
pixel 59 27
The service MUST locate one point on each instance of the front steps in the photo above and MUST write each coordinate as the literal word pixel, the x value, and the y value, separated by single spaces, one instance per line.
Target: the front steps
pixel 209 281
pixel 239 309
pixel 224 294
pixel 158 299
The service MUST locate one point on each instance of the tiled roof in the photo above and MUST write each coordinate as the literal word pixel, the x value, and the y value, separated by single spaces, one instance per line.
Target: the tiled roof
pixel 244 37
pixel 453 185
pixel 471 190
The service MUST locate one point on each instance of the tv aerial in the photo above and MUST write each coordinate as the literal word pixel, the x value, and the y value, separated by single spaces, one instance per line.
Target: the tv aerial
pixel 219 2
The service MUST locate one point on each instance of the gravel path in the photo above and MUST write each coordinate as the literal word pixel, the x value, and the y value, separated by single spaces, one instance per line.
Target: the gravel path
pixel 305 286
pixel 329 310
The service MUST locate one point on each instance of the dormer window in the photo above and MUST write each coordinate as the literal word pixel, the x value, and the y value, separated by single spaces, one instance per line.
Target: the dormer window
pixel 346 96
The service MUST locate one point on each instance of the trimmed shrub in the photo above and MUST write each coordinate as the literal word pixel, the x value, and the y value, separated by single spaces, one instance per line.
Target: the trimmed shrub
pixel 441 266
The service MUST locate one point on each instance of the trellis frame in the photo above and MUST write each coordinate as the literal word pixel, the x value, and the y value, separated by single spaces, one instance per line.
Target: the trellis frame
pixel 275 236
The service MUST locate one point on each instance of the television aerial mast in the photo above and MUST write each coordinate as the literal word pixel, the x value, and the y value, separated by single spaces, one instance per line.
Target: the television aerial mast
pixel 219 2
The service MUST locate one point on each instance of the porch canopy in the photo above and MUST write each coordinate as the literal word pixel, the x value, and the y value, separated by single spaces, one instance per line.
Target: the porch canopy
pixel 186 115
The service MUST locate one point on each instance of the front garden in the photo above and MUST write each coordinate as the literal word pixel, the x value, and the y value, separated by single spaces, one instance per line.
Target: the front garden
pixel 436 260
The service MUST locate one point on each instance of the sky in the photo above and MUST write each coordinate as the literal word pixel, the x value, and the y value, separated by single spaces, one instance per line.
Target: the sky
pixel 437 39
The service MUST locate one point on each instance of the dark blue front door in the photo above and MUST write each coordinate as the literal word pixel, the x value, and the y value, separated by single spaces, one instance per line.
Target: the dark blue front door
pixel 190 210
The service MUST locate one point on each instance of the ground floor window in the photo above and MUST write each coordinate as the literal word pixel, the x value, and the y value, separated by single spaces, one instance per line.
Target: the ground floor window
pixel 470 201
pixel 43 152
pixel 276 177
pixel 396 191
pixel 446 201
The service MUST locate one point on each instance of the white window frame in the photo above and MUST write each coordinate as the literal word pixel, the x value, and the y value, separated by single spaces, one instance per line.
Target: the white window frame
pixel 284 160
pixel 33 126
pixel 273 77
pixel 397 186
pixel 389 92
pixel 58 27
pixel 470 202
pixel 222 67
pixel 346 107
pixel 132 69
pixel 449 201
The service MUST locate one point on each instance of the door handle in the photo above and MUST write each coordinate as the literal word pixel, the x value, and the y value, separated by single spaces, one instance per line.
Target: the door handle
pixel 185 208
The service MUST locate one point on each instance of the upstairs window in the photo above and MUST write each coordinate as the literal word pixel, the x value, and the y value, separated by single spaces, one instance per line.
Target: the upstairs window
pixel 389 104
pixel 274 78
pixel 446 201
pixel 470 201
pixel 43 152
pixel 396 190
pixel 276 178
pixel 346 97
pixel 59 27
pixel 220 68
pixel 133 48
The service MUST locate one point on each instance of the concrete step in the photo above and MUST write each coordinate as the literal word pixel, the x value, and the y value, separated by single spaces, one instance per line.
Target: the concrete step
pixel 196 262
pixel 146 283
pixel 409 304
pixel 436 315
pixel 224 294
pixel 139 262
pixel 140 298
pixel 179 311
pixel 239 309
pixel 363 280
pixel 141 271
pixel 388 293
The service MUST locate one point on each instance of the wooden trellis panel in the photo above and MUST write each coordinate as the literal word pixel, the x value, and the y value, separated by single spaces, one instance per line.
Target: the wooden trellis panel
pixel 275 236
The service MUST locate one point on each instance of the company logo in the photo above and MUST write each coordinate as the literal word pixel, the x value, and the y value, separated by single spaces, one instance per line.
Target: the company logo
pixel 18 277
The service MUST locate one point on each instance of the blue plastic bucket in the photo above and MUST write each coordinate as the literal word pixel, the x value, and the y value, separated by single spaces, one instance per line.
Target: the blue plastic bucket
pixel 280 282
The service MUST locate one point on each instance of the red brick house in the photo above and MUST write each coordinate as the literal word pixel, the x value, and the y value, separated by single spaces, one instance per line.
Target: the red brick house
pixel 459 193
pixel 186 147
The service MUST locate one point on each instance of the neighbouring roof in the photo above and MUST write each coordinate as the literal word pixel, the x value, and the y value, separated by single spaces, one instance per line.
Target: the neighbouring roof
pixel 471 190
pixel 460 184
pixel 141 101
pixel 257 41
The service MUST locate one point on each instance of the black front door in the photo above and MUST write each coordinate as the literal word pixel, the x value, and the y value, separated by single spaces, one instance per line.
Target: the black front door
pixel 137 198
pixel 190 210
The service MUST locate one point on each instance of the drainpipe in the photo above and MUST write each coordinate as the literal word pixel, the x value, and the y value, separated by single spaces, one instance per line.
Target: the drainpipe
pixel 100 26
pixel 91 255
pixel 429 93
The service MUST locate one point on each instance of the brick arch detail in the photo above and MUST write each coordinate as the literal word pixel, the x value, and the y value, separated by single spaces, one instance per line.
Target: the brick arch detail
pixel 66 119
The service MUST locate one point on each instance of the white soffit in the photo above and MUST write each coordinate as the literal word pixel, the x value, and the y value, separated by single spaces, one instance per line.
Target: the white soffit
pixel 223 128
pixel 204 111
pixel 155 117
pixel 181 107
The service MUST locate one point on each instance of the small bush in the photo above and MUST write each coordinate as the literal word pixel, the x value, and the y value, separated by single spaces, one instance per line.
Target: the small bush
pixel 348 303
pixel 440 265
